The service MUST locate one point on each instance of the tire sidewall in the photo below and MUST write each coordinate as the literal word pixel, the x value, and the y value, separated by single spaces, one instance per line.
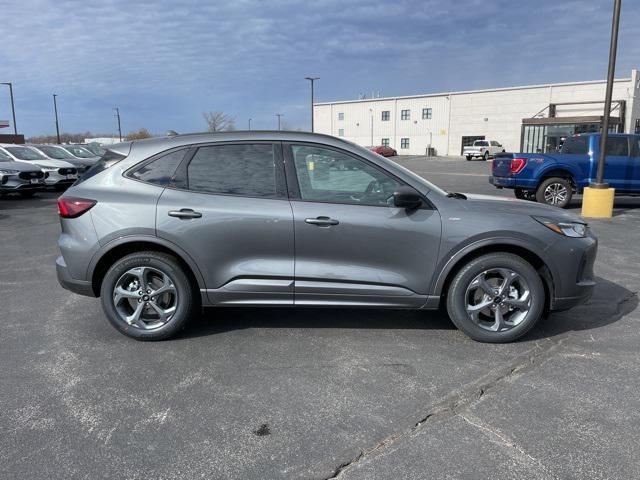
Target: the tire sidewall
pixel 549 181
pixel 456 301
pixel 163 263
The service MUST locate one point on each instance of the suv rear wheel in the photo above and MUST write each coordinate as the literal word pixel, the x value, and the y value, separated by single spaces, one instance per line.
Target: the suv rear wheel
pixel 496 298
pixel 555 191
pixel 147 296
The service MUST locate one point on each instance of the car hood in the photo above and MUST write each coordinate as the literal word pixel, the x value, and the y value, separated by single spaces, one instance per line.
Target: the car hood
pixel 513 206
pixel 19 166
pixel 48 163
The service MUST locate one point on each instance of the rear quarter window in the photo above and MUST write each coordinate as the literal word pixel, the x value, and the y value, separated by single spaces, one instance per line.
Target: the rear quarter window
pixel 161 170
pixel 108 160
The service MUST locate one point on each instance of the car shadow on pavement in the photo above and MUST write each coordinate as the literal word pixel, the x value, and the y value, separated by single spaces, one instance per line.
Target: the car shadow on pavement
pixel 224 319
pixel 609 303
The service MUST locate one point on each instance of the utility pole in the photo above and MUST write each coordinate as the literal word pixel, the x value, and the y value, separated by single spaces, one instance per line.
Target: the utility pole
pixel 312 80
pixel 279 115
pixel 119 129
pixel 371 110
pixel 249 124
pixel 13 107
pixel 55 109
pixel 598 197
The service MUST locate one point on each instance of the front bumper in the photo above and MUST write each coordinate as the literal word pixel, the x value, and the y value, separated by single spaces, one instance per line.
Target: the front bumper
pixel 13 183
pixel 57 179
pixel 80 287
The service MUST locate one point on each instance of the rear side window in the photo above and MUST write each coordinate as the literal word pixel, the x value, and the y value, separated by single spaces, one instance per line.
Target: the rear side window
pixel 481 143
pixel 247 170
pixel 576 146
pixel 160 171
pixel 109 159
pixel 617 146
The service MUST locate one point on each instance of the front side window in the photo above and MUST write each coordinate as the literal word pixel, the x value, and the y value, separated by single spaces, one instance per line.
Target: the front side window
pixel 247 170
pixel 161 170
pixel 341 116
pixel 78 151
pixel 404 143
pixel 617 146
pixel 426 113
pixel 385 142
pixel 386 115
pixel 4 157
pixel 55 152
pixel 405 114
pixel 326 175
pixel 575 146
pixel 494 143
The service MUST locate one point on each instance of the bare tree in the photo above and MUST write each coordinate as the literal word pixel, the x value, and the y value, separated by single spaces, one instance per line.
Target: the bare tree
pixel 219 121
pixel 139 134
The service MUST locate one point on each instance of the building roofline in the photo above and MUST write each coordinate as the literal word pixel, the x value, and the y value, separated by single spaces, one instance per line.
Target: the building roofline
pixel 464 92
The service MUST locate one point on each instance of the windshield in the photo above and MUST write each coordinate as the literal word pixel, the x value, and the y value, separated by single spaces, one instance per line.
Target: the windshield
pixel 54 152
pixel 96 149
pixel 480 143
pixel 4 157
pixel 25 153
pixel 78 151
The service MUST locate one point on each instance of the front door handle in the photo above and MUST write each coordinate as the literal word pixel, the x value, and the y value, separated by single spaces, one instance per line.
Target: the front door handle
pixel 321 221
pixel 184 213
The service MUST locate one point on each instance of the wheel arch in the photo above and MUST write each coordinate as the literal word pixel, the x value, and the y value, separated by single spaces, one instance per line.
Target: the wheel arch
pixel 560 172
pixel 514 246
pixel 123 246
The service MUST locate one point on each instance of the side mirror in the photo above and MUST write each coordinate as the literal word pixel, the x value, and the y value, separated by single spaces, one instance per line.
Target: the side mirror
pixel 406 197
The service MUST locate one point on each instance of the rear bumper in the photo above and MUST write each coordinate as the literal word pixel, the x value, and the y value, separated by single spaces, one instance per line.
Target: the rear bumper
pixel 503 182
pixel 80 287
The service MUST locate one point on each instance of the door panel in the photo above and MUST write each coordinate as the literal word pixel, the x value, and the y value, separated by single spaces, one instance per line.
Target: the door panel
pixel 373 256
pixel 243 246
pixel 618 169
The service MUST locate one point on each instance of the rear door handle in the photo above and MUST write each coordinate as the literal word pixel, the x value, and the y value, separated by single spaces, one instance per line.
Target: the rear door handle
pixel 184 213
pixel 321 221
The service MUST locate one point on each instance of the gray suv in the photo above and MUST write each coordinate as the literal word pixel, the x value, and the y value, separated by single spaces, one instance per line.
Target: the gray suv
pixel 159 228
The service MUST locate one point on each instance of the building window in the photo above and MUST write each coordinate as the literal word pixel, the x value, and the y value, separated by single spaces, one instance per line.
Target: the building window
pixel 385 142
pixel 341 132
pixel 341 116
pixel 426 113
pixel 386 115
pixel 405 114
pixel 404 143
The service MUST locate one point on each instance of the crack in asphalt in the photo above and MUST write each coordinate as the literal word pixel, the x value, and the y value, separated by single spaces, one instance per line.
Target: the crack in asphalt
pixel 453 404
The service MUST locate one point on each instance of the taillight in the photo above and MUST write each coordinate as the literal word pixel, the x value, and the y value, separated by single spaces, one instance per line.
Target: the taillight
pixel 517 164
pixel 70 207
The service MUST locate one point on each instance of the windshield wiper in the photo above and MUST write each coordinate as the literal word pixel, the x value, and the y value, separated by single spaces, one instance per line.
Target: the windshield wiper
pixel 459 196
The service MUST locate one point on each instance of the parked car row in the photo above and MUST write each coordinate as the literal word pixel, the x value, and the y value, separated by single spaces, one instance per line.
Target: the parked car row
pixel 27 169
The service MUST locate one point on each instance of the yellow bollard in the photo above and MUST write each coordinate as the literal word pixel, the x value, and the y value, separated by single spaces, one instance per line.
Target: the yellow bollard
pixel 597 202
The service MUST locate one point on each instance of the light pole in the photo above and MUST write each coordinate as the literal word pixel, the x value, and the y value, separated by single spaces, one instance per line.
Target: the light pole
pixel 312 80
pixel 598 197
pixel 371 110
pixel 55 109
pixel 119 129
pixel 13 107
pixel 279 115
pixel 249 124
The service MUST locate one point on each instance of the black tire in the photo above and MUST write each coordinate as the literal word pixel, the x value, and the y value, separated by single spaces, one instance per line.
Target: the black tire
pixel 469 157
pixel 559 185
pixel 186 299
pixel 27 193
pixel 457 297
pixel 485 157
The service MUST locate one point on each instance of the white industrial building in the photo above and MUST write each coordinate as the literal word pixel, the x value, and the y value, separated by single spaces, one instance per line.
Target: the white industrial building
pixel 533 118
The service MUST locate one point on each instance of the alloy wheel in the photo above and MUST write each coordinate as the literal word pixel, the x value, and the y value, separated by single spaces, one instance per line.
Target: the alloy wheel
pixel 145 298
pixel 498 299
pixel 555 193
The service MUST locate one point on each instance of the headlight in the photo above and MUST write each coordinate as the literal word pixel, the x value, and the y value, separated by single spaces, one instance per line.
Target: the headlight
pixel 8 172
pixel 568 229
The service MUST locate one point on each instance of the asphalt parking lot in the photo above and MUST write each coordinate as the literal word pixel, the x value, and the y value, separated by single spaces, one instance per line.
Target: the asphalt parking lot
pixel 301 393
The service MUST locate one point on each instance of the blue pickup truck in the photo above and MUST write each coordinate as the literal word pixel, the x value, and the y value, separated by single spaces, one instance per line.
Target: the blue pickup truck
pixel 554 178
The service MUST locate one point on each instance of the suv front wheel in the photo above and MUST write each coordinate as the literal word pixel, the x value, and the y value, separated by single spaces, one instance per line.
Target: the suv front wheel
pixel 496 298
pixel 147 296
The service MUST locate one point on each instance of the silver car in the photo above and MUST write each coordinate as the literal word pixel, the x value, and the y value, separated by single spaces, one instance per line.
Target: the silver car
pixel 162 227
pixel 56 152
pixel 58 174
pixel 19 177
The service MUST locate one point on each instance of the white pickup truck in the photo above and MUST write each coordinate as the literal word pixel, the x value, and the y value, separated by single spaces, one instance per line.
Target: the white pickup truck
pixel 482 149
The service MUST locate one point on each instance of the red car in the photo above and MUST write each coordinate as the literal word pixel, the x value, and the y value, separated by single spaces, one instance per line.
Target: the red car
pixel 384 151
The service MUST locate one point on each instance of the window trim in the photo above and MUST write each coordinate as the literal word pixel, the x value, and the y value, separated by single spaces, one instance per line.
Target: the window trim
pixel 293 187
pixel 408 110
pixel 382 115
pixel 402 142
pixel 427 113
pixel 181 171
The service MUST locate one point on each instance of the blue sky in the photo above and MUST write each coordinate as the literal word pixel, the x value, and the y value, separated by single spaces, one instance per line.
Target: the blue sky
pixel 165 62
